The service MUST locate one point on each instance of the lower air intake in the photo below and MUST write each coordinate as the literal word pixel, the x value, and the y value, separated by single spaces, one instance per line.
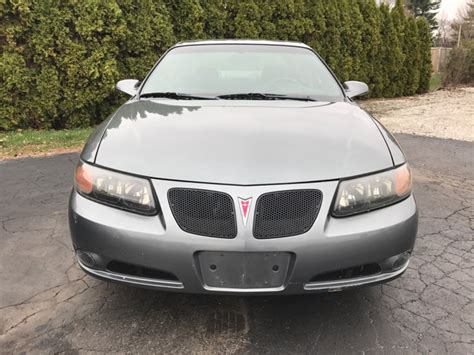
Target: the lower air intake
pixel 140 271
pixel 349 273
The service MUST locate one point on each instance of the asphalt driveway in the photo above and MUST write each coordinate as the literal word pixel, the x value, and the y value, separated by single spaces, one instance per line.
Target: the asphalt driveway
pixel 48 305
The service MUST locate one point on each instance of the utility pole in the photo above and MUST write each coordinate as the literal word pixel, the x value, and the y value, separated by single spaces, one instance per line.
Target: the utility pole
pixel 459 34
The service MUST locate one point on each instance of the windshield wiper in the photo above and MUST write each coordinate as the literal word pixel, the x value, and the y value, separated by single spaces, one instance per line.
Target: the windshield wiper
pixel 177 96
pixel 243 96
pixel 262 96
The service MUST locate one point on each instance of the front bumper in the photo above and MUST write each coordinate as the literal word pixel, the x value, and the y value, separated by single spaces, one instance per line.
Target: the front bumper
pixel 384 237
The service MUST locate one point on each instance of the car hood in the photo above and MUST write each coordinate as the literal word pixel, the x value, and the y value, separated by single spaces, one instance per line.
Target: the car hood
pixel 242 142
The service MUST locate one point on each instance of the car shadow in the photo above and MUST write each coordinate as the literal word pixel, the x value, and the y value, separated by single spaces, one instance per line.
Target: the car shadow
pixel 348 321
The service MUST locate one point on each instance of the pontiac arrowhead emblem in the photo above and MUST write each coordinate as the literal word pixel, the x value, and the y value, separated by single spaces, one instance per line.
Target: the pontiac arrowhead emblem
pixel 244 204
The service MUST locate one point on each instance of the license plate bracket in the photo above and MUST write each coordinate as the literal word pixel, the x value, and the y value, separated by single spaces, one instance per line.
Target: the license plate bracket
pixel 244 270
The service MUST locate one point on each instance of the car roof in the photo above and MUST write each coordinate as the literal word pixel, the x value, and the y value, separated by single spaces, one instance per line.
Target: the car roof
pixel 240 41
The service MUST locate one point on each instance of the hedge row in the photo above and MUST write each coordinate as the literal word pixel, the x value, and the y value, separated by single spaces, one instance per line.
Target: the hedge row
pixel 60 59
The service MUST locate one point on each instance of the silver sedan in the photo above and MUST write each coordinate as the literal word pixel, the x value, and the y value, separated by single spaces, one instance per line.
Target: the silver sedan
pixel 242 167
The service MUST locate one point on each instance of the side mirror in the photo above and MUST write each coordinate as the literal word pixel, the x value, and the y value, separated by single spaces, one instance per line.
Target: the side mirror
pixel 356 88
pixel 128 86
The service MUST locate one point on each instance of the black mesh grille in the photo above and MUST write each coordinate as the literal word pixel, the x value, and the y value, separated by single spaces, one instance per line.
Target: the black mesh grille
pixel 203 212
pixel 286 213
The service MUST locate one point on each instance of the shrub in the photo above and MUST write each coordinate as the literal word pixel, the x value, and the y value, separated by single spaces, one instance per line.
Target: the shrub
pixel 60 62
pixel 460 66
pixel 60 59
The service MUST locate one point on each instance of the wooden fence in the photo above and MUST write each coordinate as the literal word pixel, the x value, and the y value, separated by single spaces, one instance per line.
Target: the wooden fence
pixel 439 58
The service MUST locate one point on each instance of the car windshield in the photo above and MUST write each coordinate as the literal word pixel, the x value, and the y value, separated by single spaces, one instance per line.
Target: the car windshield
pixel 221 69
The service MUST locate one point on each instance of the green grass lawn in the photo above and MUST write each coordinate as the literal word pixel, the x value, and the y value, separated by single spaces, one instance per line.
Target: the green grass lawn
pixel 39 142
pixel 435 82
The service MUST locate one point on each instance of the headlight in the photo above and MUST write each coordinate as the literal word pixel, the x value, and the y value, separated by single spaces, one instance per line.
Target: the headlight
pixel 117 190
pixel 373 191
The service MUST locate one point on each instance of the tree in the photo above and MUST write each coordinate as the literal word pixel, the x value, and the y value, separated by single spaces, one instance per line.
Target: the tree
pixel 464 25
pixel 356 50
pixel 443 34
pixel 460 66
pixel 412 57
pixel 289 20
pixel 216 19
pixel 314 37
pixel 349 40
pixel 188 19
pixel 424 36
pixel 247 19
pixel 141 47
pixel 427 9
pixel 372 67
pixel 331 44
pixel 391 55
pixel 399 73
